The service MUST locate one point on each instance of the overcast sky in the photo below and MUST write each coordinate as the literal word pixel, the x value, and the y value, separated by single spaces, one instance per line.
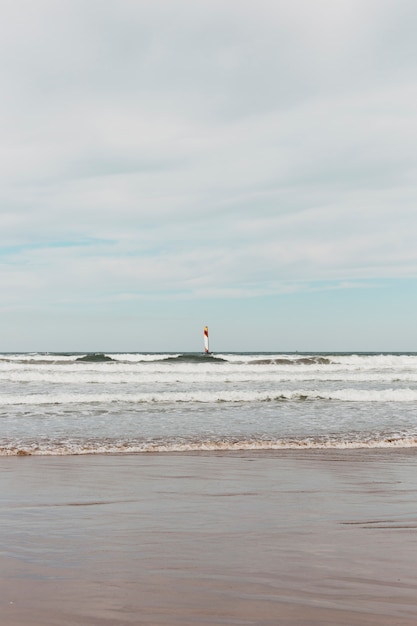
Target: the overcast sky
pixel 250 165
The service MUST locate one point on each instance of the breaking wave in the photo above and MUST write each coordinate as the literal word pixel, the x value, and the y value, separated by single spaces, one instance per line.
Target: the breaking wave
pixel 341 395
pixel 195 358
pixel 313 360
pixel 95 358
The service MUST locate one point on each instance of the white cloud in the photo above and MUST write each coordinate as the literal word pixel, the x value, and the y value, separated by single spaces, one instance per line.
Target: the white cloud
pixel 205 149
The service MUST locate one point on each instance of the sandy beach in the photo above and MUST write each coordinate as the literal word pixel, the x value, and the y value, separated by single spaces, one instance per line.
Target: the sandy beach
pixel 289 538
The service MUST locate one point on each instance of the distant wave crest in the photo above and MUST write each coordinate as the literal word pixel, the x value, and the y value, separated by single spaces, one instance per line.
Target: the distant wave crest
pixel 97 357
pixel 195 358
pixel 307 360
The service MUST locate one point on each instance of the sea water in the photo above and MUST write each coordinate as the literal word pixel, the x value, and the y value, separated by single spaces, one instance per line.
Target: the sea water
pixel 57 404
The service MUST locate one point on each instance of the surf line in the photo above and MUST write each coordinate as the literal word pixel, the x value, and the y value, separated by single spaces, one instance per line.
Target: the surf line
pixel 206 340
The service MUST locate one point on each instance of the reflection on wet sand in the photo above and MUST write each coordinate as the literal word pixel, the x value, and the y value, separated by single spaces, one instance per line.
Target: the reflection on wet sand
pixel 240 538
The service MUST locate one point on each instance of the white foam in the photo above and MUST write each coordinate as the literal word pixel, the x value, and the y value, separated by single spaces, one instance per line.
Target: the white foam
pixel 141 358
pixel 238 395
pixel 73 374
pixel 73 448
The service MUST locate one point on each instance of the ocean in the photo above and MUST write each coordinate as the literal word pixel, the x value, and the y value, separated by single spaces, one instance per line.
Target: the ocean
pixel 190 489
pixel 67 404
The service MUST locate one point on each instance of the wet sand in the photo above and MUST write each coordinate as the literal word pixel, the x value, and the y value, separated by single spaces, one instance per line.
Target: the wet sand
pixel 276 538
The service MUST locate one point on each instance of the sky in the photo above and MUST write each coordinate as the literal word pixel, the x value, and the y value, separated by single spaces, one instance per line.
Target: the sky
pixel 247 165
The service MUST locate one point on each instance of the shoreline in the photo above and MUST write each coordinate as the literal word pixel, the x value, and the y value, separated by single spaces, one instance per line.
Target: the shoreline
pixel 266 537
pixel 226 448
